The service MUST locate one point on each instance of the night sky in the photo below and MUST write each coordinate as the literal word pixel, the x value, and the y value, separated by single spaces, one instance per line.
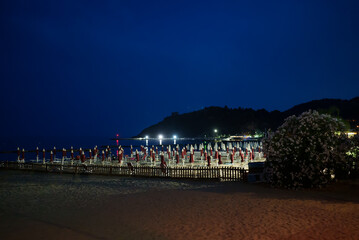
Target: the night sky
pixel 97 68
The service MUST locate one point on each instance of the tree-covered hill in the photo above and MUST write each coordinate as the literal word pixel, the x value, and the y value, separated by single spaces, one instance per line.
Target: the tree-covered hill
pixel 246 121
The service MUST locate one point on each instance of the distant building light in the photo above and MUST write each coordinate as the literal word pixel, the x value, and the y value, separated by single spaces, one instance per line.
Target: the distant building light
pixel 215 130
pixel 174 136
pixel 160 136
pixel 146 137
pixel 351 134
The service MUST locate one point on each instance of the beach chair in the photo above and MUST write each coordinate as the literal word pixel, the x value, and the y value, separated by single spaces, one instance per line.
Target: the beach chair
pixel 130 168
pixel 164 168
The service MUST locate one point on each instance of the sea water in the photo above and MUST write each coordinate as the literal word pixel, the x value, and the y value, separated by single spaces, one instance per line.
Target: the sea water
pixel 9 145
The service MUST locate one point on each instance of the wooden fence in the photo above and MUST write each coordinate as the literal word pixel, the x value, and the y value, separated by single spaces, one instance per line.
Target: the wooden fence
pixel 218 173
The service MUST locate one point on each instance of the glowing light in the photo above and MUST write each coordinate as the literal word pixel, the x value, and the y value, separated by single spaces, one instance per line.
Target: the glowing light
pixel 215 130
pixel 351 134
pixel 146 140
pixel 160 136
pixel 174 136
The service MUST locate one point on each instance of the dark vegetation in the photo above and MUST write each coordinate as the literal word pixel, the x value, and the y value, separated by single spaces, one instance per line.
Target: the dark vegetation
pixel 230 121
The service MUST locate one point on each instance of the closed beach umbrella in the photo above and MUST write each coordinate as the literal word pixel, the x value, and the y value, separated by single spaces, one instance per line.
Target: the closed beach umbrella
pixel 83 156
pixel 51 157
pixel 121 153
pixel 72 154
pixel 103 155
pixel 119 156
pixel 208 161
pixel 169 152
pixel 137 156
pixel 219 158
pixel 177 157
pixel 162 158
pixel 54 152
pixel 23 155
pixel 43 154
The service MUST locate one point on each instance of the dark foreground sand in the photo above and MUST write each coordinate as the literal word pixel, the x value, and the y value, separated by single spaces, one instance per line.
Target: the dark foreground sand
pixel 68 207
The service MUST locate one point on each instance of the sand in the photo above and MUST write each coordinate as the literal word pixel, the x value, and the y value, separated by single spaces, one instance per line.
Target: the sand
pixel 48 206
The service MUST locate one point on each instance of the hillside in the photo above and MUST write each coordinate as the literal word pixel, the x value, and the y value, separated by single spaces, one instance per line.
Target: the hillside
pixel 241 121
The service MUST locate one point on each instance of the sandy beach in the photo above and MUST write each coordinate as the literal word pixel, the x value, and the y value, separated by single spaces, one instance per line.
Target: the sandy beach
pixel 50 206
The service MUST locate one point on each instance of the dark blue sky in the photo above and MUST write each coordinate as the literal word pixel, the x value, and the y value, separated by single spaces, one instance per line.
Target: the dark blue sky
pixel 104 67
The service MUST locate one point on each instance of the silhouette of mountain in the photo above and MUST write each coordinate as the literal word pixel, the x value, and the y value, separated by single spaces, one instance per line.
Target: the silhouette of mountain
pixel 246 121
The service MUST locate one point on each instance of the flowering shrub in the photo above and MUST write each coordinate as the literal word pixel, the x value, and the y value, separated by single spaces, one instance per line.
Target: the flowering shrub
pixel 353 158
pixel 306 151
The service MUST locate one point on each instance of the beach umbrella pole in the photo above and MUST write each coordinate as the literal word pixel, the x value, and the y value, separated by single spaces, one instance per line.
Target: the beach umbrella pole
pixel 37 154
pixel 43 156
pixel 23 155
pixel 72 157
pixel 18 154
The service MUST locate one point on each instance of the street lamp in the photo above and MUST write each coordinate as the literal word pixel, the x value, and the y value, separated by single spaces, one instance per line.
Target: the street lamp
pixel 160 138
pixel 146 140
